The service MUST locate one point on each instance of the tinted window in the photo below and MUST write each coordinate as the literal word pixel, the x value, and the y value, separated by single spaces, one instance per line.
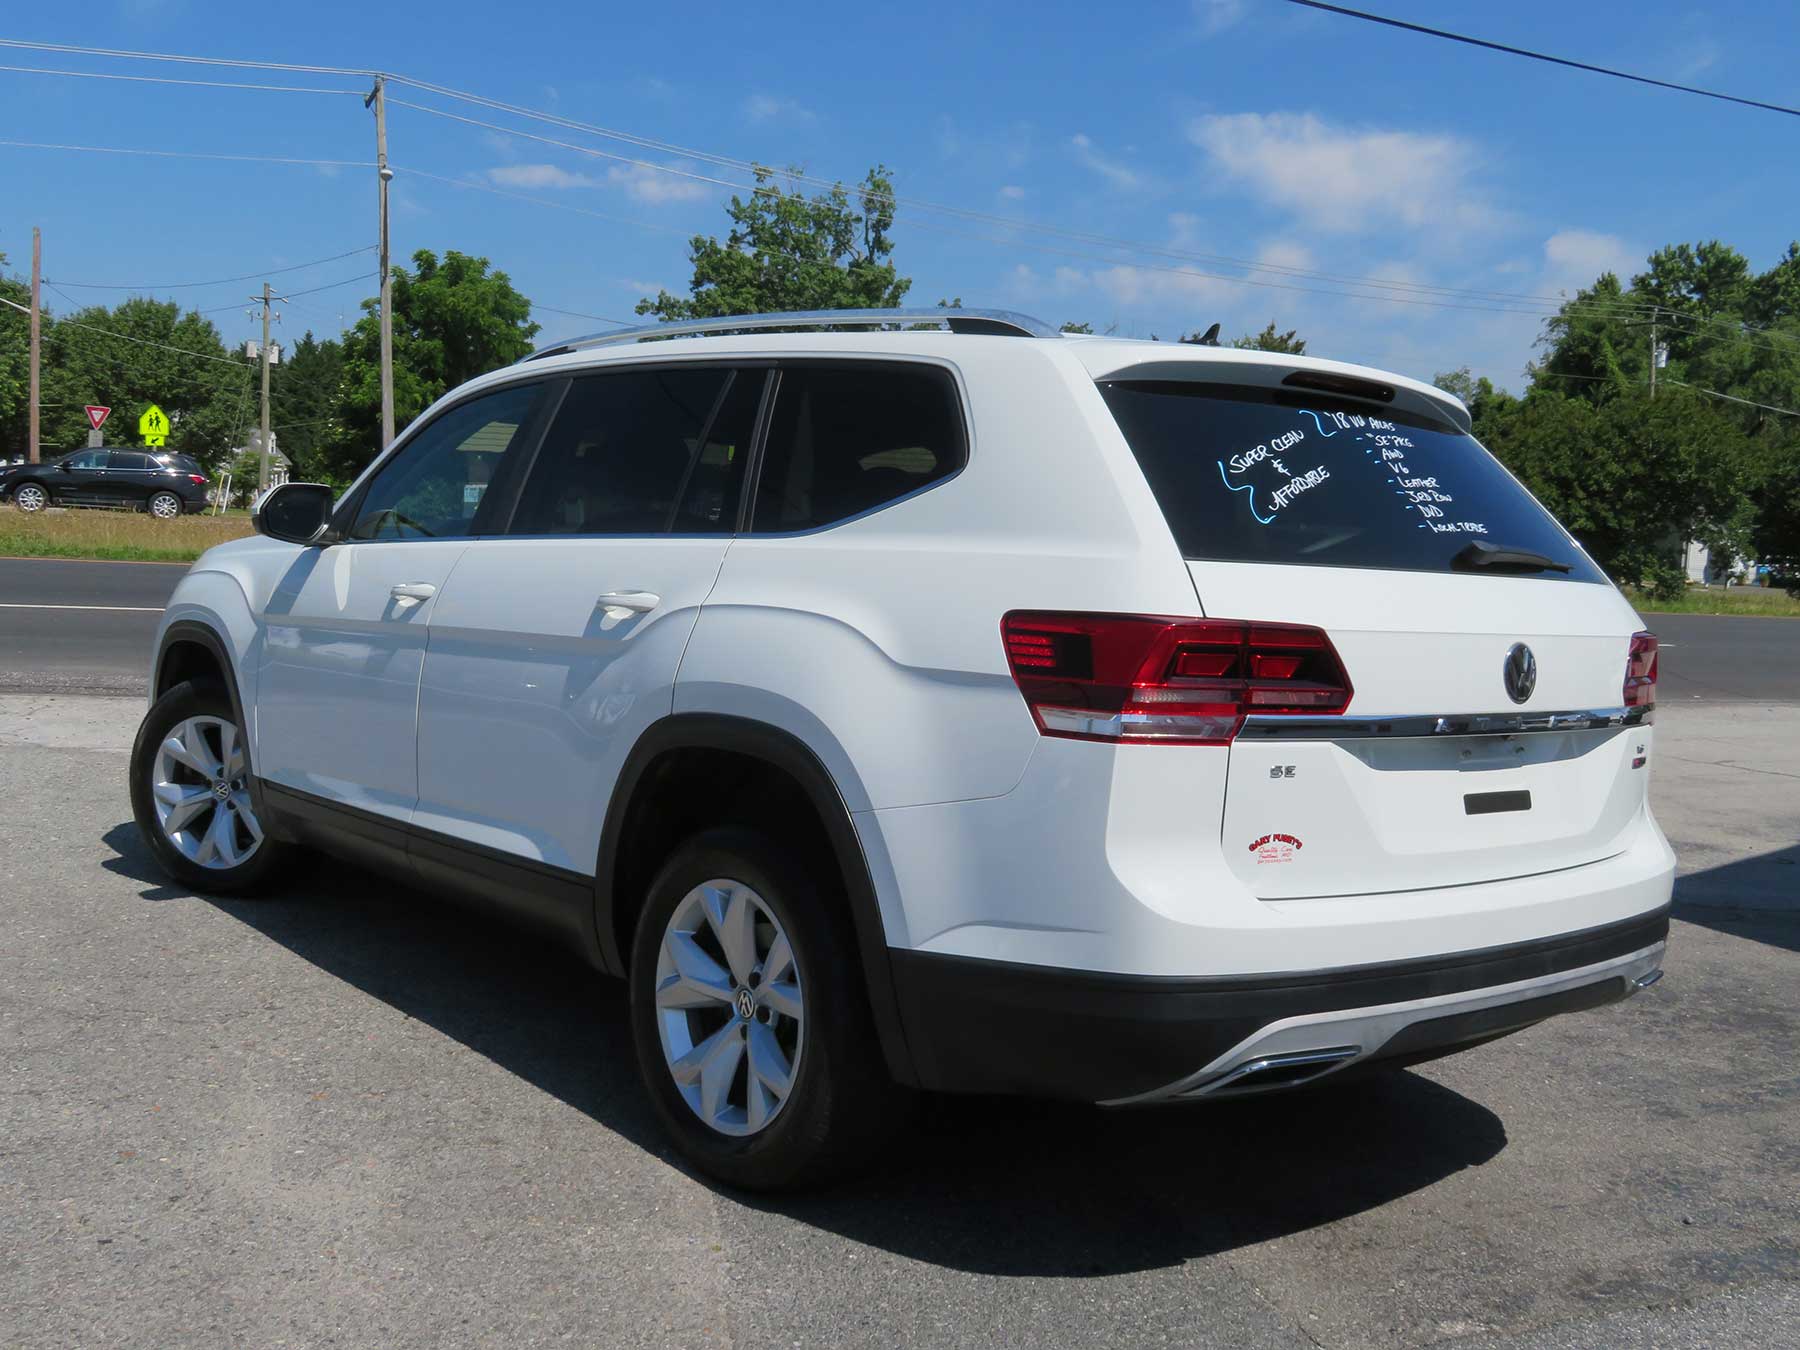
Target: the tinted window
pixel 641 451
pixel 434 488
pixel 88 459
pixel 845 439
pixel 1259 475
pixel 124 459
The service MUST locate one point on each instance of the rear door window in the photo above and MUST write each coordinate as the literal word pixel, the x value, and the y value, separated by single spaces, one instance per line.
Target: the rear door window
pixel 1260 475
pixel 846 438
pixel 125 459
pixel 643 452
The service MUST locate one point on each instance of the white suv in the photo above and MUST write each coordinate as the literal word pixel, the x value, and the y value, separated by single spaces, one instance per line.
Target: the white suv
pixel 936 701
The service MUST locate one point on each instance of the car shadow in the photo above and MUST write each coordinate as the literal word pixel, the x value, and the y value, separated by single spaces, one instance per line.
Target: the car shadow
pixel 994 1186
pixel 1756 897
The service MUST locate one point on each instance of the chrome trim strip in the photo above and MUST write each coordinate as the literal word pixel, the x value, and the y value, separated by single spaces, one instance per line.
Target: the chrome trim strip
pixel 1365 1030
pixel 1272 727
pixel 999 322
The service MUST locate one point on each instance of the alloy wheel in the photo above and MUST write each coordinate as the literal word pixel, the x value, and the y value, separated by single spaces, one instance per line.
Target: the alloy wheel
pixel 729 1012
pixel 165 506
pixel 31 497
pixel 199 782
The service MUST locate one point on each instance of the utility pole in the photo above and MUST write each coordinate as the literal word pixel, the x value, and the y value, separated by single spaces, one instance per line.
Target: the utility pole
pixel 262 471
pixel 1653 351
pixel 37 304
pixel 378 100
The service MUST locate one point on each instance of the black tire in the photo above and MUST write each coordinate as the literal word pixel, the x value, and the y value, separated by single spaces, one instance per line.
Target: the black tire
pixel 42 497
pixel 843 1104
pixel 187 700
pixel 174 514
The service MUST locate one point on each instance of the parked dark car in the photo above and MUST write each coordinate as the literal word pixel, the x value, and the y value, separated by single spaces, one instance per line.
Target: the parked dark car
pixel 165 485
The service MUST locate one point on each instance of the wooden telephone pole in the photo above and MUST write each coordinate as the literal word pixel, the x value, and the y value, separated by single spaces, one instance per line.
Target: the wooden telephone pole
pixel 37 305
pixel 262 468
pixel 377 99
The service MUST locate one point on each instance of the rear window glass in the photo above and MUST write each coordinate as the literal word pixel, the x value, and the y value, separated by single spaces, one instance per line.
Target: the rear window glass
pixel 1261 475
pixel 848 438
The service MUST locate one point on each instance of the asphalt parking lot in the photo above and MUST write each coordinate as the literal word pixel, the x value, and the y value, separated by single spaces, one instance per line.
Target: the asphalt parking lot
pixel 346 1115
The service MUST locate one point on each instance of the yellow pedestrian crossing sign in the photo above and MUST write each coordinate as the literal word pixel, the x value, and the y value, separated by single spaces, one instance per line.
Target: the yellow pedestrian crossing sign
pixel 153 426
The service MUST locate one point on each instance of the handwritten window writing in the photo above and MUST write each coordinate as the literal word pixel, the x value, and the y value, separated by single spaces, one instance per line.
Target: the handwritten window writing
pixel 1254 474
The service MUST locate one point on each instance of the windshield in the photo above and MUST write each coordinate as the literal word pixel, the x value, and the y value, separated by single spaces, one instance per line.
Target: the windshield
pixel 1265 475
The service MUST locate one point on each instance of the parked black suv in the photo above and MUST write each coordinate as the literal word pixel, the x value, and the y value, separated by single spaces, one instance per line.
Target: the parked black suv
pixel 165 485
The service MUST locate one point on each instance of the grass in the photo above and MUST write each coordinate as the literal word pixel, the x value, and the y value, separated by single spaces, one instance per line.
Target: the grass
pixel 119 536
pixel 1768 602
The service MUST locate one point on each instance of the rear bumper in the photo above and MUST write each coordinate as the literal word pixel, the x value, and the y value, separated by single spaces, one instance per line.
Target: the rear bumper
pixel 998 1027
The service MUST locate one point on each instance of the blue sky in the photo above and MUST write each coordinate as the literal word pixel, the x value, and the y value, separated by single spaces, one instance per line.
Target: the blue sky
pixel 1244 129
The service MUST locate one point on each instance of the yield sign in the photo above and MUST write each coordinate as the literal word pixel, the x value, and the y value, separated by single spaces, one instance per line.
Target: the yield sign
pixel 96 415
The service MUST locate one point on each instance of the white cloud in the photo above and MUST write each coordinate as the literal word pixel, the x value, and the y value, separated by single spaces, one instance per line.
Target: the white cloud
pixel 1128 285
pixel 1013 192
pixel 768 107
pixel 1215 16
pixel 540 176
pixel 1120 175
pixel 1345 178
pixel 1574 258
pixel 644 287
pixel 652 187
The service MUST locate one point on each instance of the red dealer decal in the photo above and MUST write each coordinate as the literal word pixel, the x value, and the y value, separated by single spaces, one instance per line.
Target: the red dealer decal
pixel 1275 848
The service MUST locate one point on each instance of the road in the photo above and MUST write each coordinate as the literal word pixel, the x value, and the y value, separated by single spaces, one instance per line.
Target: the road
pixel 347 1115
pixel 93 636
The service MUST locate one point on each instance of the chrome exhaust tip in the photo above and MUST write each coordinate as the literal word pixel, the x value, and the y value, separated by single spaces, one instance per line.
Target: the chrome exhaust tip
pixel 1645 981
pixel 1267 1072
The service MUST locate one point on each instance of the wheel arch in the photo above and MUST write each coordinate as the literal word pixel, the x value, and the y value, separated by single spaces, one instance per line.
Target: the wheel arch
pixel 618 869
pixel 191 648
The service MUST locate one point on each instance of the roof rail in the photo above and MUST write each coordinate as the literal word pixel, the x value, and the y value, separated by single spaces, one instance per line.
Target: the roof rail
pixel 995 322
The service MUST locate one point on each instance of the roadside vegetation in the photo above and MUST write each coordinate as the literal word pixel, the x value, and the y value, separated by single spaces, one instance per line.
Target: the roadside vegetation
pixel 115 535
pixel 1763 602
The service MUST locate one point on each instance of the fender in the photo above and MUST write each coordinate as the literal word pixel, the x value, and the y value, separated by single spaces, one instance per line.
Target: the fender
pixel 783 750
pixel 205 635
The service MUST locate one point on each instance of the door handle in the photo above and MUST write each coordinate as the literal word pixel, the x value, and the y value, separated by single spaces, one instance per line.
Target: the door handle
pixel 413 592
pixel 628 602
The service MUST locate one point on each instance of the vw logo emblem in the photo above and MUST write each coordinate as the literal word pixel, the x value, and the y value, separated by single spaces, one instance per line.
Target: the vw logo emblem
pixel 1520 672
pixel 745 1002
pixel 222 789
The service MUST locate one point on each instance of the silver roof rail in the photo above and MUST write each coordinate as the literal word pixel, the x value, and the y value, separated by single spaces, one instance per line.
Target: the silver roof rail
pixel 995 322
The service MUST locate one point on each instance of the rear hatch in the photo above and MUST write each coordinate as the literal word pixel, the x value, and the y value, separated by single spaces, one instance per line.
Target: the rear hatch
pixel 1432 573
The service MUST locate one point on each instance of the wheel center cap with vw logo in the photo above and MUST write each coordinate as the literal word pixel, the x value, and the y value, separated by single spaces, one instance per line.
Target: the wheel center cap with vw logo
pixel 745 1003
pixel 1519 672
pixel 222 789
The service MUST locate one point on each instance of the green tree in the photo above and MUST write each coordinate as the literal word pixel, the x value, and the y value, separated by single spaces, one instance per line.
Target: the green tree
pixel 1077 328
pixel 788 251
pixel 15 365
pixel 453 320
pixel 1271 341
pixel 137 353
pixel 303 393
pixel 1632 478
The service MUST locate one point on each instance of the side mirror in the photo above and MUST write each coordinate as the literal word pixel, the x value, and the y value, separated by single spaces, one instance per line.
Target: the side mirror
pixel 62 466
pixel 296 513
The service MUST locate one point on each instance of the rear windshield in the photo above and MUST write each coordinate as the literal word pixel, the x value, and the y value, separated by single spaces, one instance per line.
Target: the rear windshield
pixel 1263 475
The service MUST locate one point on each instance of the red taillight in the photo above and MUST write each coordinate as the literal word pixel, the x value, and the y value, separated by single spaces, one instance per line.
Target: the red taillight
pixel 196 478
pixel 1118 677
pixel 1640 672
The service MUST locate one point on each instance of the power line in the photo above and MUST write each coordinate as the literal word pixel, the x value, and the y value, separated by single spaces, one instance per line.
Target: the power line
pixel 145 342
pixel 189 154
pixel 166 79
pixel 577 314
pixel 1542 56
pixel 220 281
pixel 76 50
pixel 1733 398
pixel 540 201
pixel 644 142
